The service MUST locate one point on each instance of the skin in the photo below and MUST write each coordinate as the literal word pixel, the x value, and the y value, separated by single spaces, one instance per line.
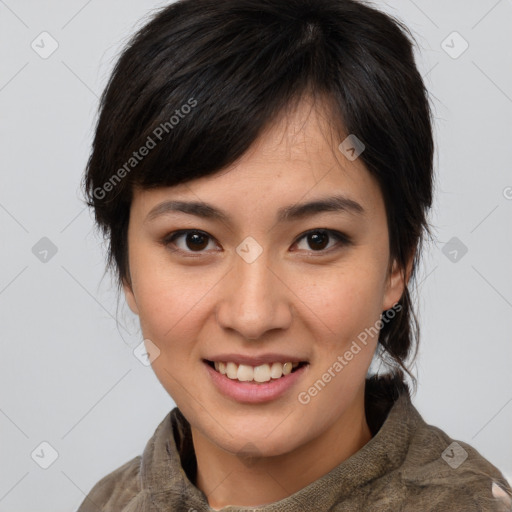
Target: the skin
pixel 296 297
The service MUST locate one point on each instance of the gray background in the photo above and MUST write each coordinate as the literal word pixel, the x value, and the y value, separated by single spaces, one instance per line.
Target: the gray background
pixel 69 377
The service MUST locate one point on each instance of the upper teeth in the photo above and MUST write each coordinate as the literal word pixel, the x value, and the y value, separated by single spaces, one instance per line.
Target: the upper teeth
pixel 261 373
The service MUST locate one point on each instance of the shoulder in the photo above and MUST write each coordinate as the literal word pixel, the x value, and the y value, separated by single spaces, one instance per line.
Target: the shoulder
pixel 427 470
pixel 452 474
pixel 115 490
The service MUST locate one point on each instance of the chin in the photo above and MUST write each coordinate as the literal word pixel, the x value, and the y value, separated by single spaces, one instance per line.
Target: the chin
pixel 254 445
pixel 255 449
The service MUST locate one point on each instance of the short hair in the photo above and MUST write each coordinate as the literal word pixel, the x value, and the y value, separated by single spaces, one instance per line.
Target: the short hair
pixel 202 79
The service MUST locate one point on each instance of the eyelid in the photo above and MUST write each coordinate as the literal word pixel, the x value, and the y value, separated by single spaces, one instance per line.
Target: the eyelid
pixel 168 240
pixel 340 237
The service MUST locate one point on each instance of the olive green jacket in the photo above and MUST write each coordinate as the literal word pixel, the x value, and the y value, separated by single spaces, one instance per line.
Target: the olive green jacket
pixel 407 466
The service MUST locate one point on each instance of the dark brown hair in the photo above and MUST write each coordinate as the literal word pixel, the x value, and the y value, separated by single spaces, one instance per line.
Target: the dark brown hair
pixel 202 79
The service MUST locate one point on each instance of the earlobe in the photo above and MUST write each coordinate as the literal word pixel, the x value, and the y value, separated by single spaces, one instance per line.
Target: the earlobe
pixel 130 297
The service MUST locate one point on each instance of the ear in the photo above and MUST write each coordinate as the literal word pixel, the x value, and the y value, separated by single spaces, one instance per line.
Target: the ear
pixel 130 296
pixel 396 283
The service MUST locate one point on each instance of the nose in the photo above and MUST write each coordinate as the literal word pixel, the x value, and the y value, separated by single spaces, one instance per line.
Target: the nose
pixel 254 300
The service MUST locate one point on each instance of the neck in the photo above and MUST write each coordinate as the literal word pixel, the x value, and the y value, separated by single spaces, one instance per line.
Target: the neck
pixel 226 480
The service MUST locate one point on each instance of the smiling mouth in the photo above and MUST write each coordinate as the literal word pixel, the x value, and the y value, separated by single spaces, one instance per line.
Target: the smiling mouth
pixel 255 374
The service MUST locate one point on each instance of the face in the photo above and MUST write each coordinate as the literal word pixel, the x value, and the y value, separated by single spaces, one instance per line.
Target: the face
pixel 265 278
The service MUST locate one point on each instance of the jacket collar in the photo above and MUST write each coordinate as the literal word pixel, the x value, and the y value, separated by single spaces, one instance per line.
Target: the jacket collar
pixel 169 456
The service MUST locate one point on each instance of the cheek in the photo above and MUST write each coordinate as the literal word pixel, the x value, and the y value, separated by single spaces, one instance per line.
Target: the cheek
pixel 345 299
pixel 169 313
pixel 167 309
pixel 162 297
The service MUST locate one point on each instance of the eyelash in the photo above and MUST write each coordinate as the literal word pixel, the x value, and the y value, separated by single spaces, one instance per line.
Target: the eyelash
pixel 341 238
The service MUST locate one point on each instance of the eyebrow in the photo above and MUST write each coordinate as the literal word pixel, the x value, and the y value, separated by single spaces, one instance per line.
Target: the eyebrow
pixel 338 203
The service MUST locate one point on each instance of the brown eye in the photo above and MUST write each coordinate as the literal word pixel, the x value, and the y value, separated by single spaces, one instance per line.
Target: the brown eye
pixel 196 241
pixel 319 239
pixel 187 241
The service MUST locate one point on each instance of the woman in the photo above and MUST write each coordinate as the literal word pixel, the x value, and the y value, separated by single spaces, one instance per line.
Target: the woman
pixel 263 171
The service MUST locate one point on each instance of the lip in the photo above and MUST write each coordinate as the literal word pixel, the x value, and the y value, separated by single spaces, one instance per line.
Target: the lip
pixel 272 357
pixel 252 392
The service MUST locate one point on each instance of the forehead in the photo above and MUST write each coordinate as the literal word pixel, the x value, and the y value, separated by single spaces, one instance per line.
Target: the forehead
pixel 296 159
